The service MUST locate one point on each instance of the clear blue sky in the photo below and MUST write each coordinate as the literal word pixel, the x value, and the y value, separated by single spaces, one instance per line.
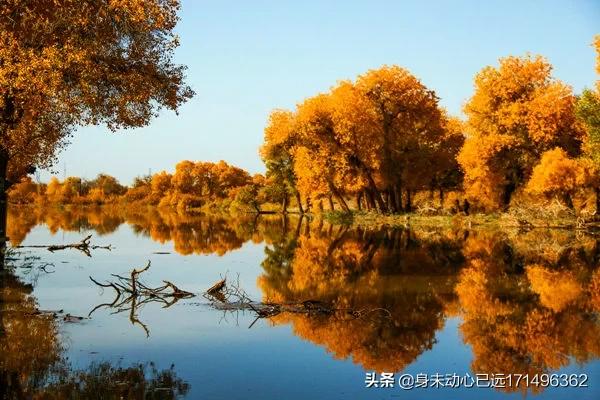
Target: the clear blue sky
pixel 247 57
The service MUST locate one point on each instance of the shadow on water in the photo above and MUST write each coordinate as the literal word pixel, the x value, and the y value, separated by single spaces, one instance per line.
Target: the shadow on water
pixel 528 302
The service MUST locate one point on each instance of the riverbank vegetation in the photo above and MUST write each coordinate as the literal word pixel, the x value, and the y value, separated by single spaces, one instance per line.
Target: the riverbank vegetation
pixel 382 145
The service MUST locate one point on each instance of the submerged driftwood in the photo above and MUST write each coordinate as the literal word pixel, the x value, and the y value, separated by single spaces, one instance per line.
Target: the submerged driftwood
pixel 231 298
pixel 84 246
pixel 131 293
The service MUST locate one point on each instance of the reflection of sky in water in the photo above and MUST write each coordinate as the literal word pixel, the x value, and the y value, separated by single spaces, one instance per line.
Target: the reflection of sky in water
pixel 218 355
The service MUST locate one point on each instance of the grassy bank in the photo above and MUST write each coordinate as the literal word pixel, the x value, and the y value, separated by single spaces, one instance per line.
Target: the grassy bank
pixel 517 218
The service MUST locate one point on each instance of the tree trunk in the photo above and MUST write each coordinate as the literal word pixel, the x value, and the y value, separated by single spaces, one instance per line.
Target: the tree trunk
pixel 393 203
pixel 284 204
pixel 299 226
pixel 358 200
pixel 598 202
pixel 398 193
pixel 331 205
pixel 285 224
pixel 568 200
pixel 299 200
pixel 342 201
pixel 441 199
pixel 377 194
pixel 339 197
pixel 372 186
pixel 408 201
pixel 370 199
pixel 509 189
pixel 3 205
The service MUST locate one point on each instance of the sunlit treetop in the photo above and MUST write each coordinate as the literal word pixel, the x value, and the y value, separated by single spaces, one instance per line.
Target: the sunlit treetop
pixel 279 130
pixel 520 98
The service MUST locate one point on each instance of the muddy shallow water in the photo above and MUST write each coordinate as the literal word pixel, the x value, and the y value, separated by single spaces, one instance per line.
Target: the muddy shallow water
pixel 469 303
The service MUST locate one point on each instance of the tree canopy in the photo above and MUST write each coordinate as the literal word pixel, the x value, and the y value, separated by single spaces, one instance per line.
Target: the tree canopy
pixel 68 63
pixel 518 111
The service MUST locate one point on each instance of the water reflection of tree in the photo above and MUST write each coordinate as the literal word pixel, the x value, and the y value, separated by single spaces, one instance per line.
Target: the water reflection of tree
pixel 21 220
pixel 29 343
pixel 33 364
pixel 409 275
pixel 190 234
pixel 528 301
pixel 526 310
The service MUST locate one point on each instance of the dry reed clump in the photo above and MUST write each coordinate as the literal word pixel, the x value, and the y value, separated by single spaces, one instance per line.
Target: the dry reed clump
pixel 549 214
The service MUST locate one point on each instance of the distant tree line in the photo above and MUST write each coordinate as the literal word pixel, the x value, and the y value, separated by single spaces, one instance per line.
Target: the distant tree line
pixel 193 185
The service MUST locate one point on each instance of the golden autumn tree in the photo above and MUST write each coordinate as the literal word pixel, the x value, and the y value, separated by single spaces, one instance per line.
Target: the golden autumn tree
pixel 161 183
pixel 139 190
pixel 321 165
pixel 588 111
pixel 597 47
pixel 252 195
pixel 277 156
pixel 517 112
pixel 23 192
pixel 558 175
pixel 67 63
pixel 197 183
pixel 445 171
pixel 407 121
pixel 373 138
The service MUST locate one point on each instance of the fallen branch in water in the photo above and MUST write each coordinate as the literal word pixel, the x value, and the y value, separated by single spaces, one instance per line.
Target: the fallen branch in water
pixel 131 293
pixel 84 246
pixel 226 297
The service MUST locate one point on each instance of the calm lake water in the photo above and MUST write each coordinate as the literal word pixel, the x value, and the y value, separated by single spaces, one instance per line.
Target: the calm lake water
pixel 428 301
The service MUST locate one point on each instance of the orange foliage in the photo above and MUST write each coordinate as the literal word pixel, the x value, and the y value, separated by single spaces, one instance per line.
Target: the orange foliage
pixel 380 135
pixel 517 112
pixel 69 63
pixel 23 192
pixel 556 290
pixel 557 174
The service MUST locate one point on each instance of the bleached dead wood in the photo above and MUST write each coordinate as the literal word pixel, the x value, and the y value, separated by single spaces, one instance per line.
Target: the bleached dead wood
pixel 84 246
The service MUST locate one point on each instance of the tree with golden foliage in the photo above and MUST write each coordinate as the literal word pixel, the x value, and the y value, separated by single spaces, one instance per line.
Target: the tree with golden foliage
pixel 161 183
pixel 196 183
pixel 588 111
pixel 407 123
pixel 23 192
pixel 374 138
pixel 518 111
pixel 277 156
pixel 68 63
pixel 558 175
